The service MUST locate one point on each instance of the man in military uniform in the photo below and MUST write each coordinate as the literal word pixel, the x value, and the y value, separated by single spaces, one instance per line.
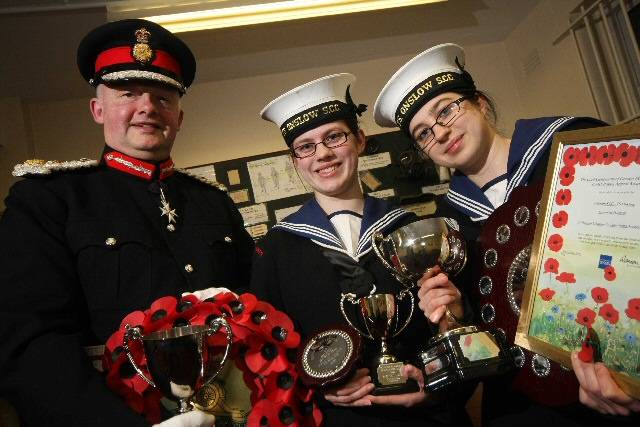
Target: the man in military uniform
pixel 84 243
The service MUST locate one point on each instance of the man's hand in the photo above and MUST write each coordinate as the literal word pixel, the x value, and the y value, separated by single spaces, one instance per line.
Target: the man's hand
pixel 599 391
pixel 203 294
pixel 193 418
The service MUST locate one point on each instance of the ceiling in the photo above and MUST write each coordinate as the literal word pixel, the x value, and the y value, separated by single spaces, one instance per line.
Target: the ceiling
pixel 40 40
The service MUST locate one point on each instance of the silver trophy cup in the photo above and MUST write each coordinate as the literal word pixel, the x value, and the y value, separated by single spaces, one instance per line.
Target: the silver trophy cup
pixel 459 354
pixel 179 360
pixel 415 248
pixel 379 315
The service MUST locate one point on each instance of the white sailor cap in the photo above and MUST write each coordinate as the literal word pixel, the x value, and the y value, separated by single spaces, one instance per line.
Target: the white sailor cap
pixel 312 104
pixel 436 70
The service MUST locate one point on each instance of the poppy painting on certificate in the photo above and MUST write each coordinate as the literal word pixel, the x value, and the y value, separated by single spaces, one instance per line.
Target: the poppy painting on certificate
pixel 583 287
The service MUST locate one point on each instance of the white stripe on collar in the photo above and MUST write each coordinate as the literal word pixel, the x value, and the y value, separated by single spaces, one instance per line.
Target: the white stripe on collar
pixel 470 204
pixel 532 152
pixel 310 230
pixel 378 225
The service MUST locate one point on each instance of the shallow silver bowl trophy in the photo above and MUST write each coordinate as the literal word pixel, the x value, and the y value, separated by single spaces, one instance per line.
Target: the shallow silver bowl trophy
pixel 460 354
pixel 179 360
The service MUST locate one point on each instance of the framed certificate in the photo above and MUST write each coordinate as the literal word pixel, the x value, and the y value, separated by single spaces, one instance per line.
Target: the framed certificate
pixel 584 272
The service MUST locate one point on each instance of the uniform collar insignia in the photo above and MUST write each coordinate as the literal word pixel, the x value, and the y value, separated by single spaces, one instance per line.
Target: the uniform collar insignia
pixel 311 222
pixel 529 141
pixel 139 168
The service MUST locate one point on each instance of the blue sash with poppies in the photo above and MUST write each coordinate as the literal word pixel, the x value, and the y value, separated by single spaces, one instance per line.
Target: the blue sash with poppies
pixel 311 222
pixel 530 140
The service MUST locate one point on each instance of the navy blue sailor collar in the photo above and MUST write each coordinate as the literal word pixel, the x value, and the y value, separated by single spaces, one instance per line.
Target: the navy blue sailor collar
pixel 530 139
pixel 311 222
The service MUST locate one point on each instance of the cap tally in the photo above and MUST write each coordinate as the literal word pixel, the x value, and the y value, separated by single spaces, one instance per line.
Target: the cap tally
pixel 312 104
pixel 436 70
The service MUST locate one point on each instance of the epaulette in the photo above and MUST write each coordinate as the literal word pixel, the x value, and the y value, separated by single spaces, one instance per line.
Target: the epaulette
pixel 201 178
pixel 46 167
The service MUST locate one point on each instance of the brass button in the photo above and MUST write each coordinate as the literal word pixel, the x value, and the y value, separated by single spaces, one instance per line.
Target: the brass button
pixel 111 241
pixel 171 227
pixel 188 268
pixel 228 239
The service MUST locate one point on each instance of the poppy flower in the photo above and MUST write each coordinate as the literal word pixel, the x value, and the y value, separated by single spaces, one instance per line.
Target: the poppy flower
pixel 278 328
pixel 633 153
pixel 276 414
pixel 625 154
pixel 565 277
pixel 570 156
pixel 281 386
pixel 608 154
pixel 546 294
pixel 160 315
pixel 551 265
pixel 600 295
pixel 567 175
pixel 133 319
pixel 633 309
pixel 263 357
pixel 560 219
pixel 585 156
pixel 263 413
pixel 610 273
pixel 586 317
pixel 555 242
pixel 609 313
pixel 563 197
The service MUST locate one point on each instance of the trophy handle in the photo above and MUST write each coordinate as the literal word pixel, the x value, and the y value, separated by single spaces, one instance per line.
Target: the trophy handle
pixel 456 259
pixel 401 296
pixel 376 239
pixel 214 327
pixel 132 334
pixel 351 298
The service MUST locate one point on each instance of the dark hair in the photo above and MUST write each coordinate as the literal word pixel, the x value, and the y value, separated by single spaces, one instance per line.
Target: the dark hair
pixel 352 124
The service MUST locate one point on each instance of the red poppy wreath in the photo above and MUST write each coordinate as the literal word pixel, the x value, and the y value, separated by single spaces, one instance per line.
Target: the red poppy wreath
pixel 263 348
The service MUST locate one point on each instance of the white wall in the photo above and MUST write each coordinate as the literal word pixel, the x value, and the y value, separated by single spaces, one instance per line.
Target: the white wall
pixel 549 78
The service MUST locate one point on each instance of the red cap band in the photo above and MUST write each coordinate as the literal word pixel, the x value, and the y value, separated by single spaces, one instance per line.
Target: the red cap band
pixel 122 55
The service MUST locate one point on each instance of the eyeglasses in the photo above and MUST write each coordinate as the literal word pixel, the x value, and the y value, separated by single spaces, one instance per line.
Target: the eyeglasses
pixel 333 140
pixel 444 118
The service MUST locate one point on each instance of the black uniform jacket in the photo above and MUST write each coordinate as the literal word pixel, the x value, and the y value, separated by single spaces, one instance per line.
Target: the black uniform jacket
pixel 81 249
pixel 291 272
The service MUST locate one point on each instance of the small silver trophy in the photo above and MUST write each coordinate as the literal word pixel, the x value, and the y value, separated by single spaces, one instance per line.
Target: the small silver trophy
pixel 178 359
pixel 459 354
pixel 379 314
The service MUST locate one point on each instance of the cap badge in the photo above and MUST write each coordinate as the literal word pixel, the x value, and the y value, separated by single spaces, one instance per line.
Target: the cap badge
pixel 142 52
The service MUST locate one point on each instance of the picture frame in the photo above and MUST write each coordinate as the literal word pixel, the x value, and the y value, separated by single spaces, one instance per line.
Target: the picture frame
pixel 584 271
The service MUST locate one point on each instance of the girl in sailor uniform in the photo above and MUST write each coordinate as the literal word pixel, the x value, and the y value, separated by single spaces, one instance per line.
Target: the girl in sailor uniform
pixel 434 100
pixel 309 259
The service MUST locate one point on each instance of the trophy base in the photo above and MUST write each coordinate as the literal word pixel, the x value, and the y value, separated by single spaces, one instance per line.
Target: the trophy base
pixel 464 354
pixel 388 379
